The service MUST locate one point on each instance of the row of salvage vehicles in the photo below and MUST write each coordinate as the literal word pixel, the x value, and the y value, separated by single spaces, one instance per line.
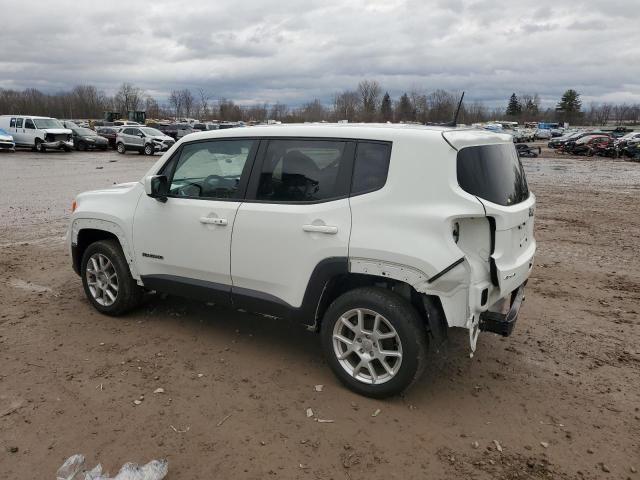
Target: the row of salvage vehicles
pixel 46 133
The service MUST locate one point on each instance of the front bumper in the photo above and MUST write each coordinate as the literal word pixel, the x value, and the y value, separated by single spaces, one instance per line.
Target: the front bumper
pixel 162 147
pixel 58 144
pixel 7 145
pixel 503 323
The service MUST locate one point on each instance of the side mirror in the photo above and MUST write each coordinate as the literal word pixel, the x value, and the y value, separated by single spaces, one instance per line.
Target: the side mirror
pixel 157 186
pixel 141 135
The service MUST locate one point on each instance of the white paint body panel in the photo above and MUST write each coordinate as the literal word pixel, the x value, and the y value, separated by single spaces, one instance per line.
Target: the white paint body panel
pixel 402 231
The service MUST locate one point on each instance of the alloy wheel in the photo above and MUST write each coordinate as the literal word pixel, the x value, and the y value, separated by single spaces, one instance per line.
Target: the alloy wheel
pixel 102 279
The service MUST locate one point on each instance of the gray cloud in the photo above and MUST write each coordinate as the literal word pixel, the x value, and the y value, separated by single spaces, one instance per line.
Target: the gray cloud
pixel 296 50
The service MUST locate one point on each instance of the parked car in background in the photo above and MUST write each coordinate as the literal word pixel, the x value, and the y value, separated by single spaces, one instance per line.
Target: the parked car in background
pixel 110 133
pixel 145 140
pixel 6 141
pixel 39 133
pixel 85 139
pixel 584 144
pixel 125 123
pixel 543 134
pixel 558 141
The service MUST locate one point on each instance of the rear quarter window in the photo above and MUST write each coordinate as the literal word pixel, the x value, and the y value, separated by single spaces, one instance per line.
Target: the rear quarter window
pixel 371 167
pixel 493 173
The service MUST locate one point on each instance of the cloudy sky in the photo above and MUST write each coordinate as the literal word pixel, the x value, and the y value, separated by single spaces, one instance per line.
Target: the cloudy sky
pixel 296 50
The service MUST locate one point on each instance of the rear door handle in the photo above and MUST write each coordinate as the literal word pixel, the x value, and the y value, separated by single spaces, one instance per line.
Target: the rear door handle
pixel 213 221
pixel 329 229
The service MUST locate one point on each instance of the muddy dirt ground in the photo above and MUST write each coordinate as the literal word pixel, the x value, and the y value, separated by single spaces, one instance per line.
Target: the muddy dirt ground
pixel 560 397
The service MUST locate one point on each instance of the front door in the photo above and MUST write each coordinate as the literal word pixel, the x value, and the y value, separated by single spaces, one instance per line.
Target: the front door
pixel 296 216
pixel 183 245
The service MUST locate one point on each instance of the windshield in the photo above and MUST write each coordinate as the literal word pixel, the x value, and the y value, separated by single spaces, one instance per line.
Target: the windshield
pixel 493 173
pixel 152 132
pixel 47 123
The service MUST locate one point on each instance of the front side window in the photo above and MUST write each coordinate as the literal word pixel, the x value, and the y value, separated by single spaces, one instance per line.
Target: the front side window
pixel 29 124
pixel 303 171
pixel 210 169
pixel 371 167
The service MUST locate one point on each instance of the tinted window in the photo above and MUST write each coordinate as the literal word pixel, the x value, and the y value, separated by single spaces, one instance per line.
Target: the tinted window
pixel 29 124
pixel 19 123
pixel 302 171
pixel 210 169
pixel 12 123
pixel 493 173
pixel 371 167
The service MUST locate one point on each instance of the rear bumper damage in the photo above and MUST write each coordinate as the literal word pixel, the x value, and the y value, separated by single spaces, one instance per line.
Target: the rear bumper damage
pixel 501 322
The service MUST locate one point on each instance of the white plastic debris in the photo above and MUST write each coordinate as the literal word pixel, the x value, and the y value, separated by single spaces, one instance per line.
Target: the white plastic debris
pixel 74 469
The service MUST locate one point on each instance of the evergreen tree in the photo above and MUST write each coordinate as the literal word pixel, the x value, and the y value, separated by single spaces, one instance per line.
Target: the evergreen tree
pixel 569 106
pixel 385 108
pixel 405 109
pixel 514 108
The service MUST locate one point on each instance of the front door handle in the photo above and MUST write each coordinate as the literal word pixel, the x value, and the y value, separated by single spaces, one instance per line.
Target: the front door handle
pixel 329 229
pixel 213 221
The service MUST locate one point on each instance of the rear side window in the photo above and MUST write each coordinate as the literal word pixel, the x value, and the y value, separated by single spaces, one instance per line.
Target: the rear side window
pixel 12 123
pixel 493 173
pixel 371 167
pixel 303 171
pixel 19 123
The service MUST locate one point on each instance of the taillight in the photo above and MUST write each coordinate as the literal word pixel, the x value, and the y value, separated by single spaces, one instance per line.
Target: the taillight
pixel 74 205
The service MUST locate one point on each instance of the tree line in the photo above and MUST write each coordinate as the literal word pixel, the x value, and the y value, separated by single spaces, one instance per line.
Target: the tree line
pixel 368 102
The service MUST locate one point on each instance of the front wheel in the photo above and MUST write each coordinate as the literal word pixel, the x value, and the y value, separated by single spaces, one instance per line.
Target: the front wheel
pixel 107 280
pixel 121 149
pixel 375 341
pixel 40 146
pixel 148 149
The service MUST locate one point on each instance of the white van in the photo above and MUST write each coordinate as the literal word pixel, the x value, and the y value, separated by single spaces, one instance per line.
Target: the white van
pixel 40 133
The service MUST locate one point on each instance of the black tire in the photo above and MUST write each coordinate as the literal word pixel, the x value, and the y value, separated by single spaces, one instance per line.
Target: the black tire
pixel 121 148
pixel 40 146
pixel 409 327
pixel 129 294
pixel 148 149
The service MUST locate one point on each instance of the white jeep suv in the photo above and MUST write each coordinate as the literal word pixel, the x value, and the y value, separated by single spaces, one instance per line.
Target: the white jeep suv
pixel 378 237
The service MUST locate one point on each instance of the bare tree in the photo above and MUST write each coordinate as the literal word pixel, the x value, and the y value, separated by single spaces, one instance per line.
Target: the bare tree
pixel 175 102
pixel 346 105
pixel 278 111
pixel 204 98
pixel 128 98
pixel 187 101
pixel 369 91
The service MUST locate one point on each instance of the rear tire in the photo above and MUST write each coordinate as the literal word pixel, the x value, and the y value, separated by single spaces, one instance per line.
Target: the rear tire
pixel 121 149
pixel 384 353
pixel 107 280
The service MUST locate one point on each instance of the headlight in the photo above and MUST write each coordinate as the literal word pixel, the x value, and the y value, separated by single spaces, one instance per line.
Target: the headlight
pixel 157 140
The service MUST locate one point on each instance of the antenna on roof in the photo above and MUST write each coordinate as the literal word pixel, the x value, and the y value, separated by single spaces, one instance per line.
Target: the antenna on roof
pixel 454 122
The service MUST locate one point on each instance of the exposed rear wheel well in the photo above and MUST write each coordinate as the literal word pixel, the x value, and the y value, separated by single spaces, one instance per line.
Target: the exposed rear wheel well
pixel 428 306
pixel 86 237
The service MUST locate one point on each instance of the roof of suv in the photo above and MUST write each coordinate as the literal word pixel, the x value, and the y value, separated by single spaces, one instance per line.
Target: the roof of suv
pixel 457 137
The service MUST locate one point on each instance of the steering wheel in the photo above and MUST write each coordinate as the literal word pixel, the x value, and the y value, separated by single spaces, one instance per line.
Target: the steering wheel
pixel 210 178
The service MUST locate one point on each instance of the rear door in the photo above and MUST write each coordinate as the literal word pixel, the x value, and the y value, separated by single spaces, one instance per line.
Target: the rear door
pixel 18 135
pixel 296 216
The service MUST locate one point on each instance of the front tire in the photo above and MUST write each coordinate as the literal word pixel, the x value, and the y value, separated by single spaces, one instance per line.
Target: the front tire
pixel 40 146
pixel 148 149
pixel 374 341
pixel 107 280
pixel 121 149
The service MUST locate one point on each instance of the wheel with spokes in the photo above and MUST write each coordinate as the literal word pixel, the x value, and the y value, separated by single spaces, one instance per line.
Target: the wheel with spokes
pixel 107 280
pixel 375 341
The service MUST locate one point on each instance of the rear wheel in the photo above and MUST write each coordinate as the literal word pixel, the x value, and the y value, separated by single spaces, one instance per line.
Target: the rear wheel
pixel 107 280
pixel 120 148
pixel 375 341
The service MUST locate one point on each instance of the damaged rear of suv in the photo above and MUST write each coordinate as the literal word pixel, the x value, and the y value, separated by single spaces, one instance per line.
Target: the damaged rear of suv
pixel 380 238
